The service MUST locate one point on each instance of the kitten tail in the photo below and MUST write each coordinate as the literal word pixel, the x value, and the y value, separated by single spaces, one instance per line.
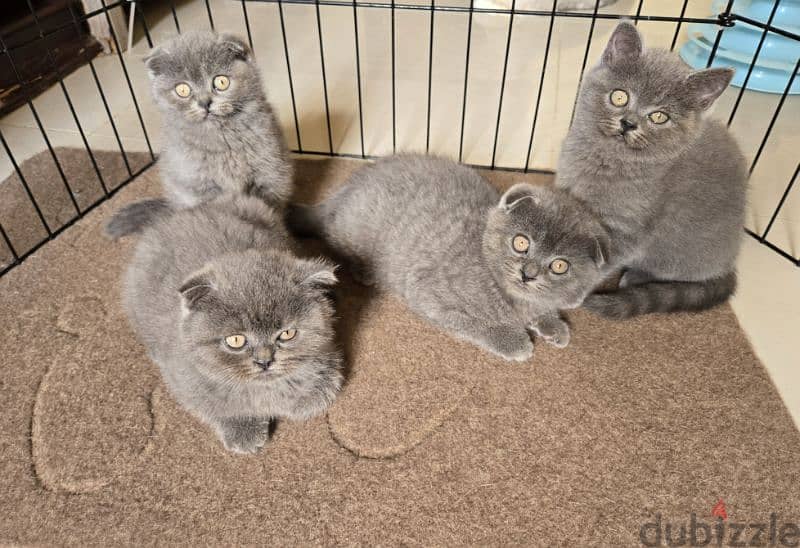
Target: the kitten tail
pixel 662 297
pixel 305 221
pixel 133 218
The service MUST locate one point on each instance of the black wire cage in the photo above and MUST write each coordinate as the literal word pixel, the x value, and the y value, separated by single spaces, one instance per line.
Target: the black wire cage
pixel 385 42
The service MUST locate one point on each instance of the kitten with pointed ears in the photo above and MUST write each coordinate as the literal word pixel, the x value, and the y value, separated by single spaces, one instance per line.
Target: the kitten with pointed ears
pixel 667 181
pixel 220 133
pixel 485 267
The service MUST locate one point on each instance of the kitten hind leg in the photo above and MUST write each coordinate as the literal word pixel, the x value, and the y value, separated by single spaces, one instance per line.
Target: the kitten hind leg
pixel 246 435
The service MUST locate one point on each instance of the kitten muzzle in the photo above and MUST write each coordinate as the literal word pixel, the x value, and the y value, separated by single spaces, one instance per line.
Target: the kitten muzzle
pixel 264 358
pixel 626 126
pixel 529 272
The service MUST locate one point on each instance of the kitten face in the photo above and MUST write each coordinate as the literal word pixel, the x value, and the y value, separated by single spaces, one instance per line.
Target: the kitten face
pixel 259 317
pixel 543 247
pixel 203 78
pixel 646 101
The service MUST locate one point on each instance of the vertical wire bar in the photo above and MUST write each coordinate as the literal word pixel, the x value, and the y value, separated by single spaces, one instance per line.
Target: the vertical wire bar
pixel 61 173
pixel 57 70
pixel 127 79
pixel 466 81
pixel 358 78
pixel 25 185
pixel 247 24
pixel 103 97
pixel 775 115
pixel 324 80
pixel 210 18
pixel 753 62
pixel 8 245
pixel 289 70
pixel 780 204
pixel 503 83
pixel 175 16
pixel 145 27
pixel 638 13
pixel 541 84
pixel 678 26
pixel 585 58
pixel 725 15
pixel 430 80
pixel 394 91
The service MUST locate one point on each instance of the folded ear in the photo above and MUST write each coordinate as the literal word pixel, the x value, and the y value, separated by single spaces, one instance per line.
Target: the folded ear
pixel 198 287
pixel 704 86
pixel 600 251
pixel 516 194
pixel 237 45
pixel 317 273
pixel 156 62
pixel 624 46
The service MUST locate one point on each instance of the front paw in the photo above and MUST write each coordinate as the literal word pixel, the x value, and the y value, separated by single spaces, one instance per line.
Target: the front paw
pixel 247 436
pixel 510 343
pixel 555 332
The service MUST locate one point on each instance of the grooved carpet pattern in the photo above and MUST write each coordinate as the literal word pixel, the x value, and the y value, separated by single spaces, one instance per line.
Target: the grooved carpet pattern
pixel 431 441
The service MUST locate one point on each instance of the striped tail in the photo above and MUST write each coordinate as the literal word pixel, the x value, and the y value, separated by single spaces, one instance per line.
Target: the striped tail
pixel 662 297
pixel 135 217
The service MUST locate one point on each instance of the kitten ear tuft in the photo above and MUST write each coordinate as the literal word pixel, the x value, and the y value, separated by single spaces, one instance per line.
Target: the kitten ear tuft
pixel 705 86
pixel 197 287
pixel 624 46
pixel 318 273
pixel 514 196
pixel 239 47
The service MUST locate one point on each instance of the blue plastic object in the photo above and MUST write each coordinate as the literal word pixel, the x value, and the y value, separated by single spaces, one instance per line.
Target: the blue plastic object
pixel 738 45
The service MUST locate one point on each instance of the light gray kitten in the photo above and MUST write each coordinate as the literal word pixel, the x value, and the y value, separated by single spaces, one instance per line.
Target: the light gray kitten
pixel 485 267
pixel 220 134
pixel 668 182
pixel 241 329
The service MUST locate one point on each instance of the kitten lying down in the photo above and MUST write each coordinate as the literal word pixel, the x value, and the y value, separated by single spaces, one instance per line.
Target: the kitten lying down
pixel 240 328
pixel 487 268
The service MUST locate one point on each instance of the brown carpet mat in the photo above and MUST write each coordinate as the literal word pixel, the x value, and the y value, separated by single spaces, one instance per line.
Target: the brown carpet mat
pixel 431 442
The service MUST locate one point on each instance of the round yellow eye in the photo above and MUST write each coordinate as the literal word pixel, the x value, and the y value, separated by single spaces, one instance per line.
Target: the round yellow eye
pixel 183 90
pixel 221 83
pixel 559 266
pixel 235 341
pixel 520 243
pixel 659 117
pixel 619 98
pixel 287 335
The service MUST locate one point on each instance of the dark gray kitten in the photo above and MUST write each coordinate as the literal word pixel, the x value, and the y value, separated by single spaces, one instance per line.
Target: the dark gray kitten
pixel 220 133
pixel 240 328
pixel 668 182
pixel 485 267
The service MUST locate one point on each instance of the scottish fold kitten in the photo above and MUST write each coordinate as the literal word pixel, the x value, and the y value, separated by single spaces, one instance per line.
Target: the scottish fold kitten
pixel 220 133
pixel 486 267
pixel 240 327
pixel 668 182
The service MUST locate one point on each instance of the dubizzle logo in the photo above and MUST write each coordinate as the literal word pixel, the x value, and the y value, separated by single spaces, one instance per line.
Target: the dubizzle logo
pixel 720 531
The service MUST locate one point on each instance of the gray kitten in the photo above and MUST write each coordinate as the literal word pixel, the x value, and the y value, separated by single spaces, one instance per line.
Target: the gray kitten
pixel 220 133
pixel 240 328
pixel 668 183
pixel 485 267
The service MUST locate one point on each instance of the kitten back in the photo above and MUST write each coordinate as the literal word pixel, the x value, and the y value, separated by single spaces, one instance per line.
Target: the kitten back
pixel 135 217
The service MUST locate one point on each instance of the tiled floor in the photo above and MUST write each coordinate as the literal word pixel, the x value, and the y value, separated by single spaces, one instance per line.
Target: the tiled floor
pixel 768 303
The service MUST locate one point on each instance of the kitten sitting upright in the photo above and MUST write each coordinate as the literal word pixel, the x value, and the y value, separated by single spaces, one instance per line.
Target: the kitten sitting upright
pixel 485 267
pixel 240 328
pixel 668 182
pixel 220 133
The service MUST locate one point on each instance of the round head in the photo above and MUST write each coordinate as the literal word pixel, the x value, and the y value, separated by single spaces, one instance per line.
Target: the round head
pixel 203 77
pixel 543 247
pixel 645 103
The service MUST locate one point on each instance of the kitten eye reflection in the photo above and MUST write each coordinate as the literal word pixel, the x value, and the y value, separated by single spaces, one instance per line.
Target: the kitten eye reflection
pixel 221 82
pixel 288 335
pixel 235 341
pixel 520 243
pixel 559 266
pixel 619 98
pixel 183 90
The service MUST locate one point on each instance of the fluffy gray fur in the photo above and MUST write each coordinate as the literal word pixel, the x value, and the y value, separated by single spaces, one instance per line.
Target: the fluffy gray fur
pixel 216 141
pixel 439 236
pixel 672 195
pixel 224 268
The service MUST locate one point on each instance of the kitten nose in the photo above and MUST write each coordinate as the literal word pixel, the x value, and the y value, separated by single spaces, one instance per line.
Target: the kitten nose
pixel 529 272
pixel 264 358
pixel 627 125
pixel 264 364
pixel 205 103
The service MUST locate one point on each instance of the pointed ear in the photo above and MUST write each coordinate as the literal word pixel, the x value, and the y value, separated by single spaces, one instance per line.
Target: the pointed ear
pixel 624 46
pixel 704 86
pixel 239 47
pixel 318 273
pixel 197 287
pixel 516 194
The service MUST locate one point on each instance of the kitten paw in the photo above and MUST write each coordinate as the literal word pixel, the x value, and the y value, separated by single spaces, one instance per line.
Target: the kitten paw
pixel 246 436
pixel 555 332
pixel 510 343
